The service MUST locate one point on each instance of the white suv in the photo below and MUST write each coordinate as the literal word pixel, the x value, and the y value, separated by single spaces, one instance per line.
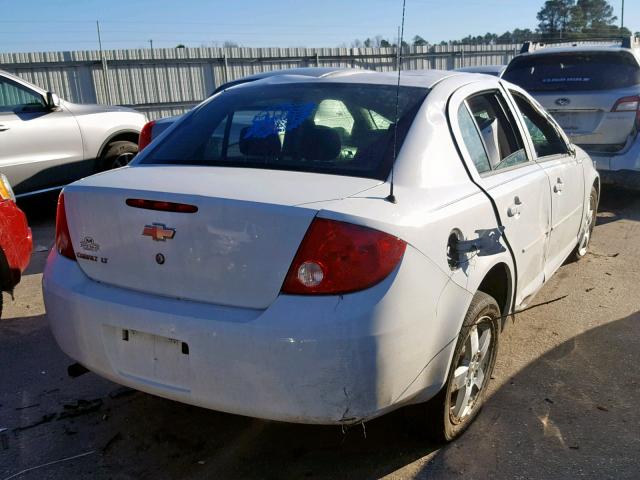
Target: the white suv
pixel 47 142
pixel 592 88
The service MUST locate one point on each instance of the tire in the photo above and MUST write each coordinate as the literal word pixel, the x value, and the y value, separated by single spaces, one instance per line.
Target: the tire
pixel 117 154
pixel 582 248
pixel 448 415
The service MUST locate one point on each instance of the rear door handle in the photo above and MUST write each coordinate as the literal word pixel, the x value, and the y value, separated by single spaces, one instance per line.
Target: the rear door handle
pixel 3 128
pixel 557 188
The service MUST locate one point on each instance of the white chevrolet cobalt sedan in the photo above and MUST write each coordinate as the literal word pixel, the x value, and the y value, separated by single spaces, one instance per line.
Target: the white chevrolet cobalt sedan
pixel 323 247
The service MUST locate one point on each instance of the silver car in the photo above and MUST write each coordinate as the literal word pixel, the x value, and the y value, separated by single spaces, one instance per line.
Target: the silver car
pixel 46 142
pixel 593 91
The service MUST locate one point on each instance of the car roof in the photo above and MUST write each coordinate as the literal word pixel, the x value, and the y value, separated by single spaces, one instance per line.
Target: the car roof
pixel 409 78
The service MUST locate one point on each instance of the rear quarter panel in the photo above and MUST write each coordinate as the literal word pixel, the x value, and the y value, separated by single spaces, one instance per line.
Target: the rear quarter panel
pixel 435 197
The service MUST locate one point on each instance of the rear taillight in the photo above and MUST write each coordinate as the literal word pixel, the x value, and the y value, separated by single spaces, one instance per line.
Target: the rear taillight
pixel 145 135
pixel 63 239
pixel 628 104
pixel 337 257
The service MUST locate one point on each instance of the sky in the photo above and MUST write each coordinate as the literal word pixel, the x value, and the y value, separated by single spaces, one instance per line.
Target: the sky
pixel 49 25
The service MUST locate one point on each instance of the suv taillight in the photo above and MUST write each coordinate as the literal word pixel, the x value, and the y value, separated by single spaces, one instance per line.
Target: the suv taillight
pixel 628 104
pixel 63 239
pixel 337 257
pixel 145 135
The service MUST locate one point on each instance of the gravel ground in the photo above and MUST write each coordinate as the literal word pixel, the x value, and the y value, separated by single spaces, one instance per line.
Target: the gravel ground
pixel 563 403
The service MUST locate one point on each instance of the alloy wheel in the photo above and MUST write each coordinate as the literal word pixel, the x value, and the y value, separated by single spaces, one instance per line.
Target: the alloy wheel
pixel 470 374
pixel 122 160
pixel 586 236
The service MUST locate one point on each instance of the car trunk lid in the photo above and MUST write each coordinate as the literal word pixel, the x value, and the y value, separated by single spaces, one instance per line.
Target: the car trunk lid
pixel 234 250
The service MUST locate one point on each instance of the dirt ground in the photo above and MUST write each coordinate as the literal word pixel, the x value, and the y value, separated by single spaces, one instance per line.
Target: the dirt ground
pixel 563 404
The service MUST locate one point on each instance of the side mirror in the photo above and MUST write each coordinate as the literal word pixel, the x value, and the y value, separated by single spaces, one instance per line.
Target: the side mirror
pixel 53 101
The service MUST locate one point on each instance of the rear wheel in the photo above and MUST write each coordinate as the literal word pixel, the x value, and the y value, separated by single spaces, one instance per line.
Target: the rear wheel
pixel 454 408
pixel 118 154
pixel 592 210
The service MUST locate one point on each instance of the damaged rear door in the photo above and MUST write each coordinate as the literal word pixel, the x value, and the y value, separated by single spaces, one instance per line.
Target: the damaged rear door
pixel 502 167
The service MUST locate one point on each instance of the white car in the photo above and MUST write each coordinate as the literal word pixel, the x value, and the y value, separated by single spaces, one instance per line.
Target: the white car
pixel 254 259
pixel 47 142
pixel 495 70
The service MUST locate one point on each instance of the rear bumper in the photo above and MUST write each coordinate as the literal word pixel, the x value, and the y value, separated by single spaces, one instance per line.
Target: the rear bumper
pixel 325 360
pixel 623 178
pixel 621 169
pixel 15 242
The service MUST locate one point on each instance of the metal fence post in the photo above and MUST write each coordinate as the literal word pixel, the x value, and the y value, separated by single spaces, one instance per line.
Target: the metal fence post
pixel 226 67
pixel 105 73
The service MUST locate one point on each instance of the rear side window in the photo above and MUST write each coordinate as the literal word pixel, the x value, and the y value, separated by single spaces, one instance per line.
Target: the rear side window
pixel 495 129
pixel 561 72
pixel 545 137
pixel 343 129
pixel 472 140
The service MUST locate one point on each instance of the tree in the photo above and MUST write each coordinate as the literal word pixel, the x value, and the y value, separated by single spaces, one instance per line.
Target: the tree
pixel 418 41
pixel 384 43
pixel 595 18
pixel 230 44
pixel 593 15
pixel 555 17
pixel 571 19
pixel 180 45
pixel 522 35
pixel 367 43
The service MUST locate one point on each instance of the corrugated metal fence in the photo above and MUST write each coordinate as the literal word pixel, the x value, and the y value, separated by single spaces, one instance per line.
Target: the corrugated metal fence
pixel 164 82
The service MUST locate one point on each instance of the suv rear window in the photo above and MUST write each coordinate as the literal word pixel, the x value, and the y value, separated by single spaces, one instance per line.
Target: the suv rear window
pixel 343 129
pixel 559 72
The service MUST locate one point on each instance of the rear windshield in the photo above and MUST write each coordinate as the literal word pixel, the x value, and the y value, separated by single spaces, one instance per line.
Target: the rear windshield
pixel 343 129
pixel 574 72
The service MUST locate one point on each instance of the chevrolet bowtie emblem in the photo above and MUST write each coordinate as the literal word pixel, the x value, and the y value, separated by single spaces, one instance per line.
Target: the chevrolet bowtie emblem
pixel 159 232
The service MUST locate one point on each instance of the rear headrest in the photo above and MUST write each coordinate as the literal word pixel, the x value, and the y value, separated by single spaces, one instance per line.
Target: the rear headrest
pixel 490 135
pixel 320 143
pixel 268 146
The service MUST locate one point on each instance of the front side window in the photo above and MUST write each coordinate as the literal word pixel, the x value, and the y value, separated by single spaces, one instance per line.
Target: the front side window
pixel 16 98
pixel 502 142
pixel 546 140
pixel 319 127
